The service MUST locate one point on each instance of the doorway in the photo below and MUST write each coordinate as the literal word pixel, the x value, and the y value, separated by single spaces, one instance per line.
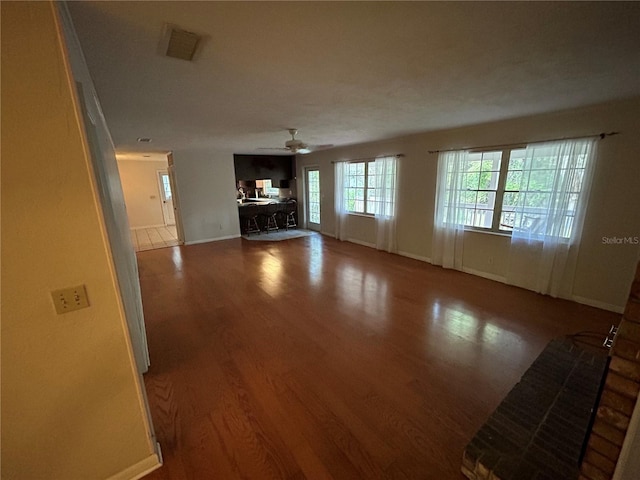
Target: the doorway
pixel 312 198
pixel 167 198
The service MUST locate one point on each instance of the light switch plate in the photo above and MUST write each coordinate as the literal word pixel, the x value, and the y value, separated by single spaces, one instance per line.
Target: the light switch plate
pixel 69 299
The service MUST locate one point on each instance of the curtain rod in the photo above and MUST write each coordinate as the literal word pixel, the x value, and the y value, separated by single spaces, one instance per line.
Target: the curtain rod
pixel 485 147
pixel 399 155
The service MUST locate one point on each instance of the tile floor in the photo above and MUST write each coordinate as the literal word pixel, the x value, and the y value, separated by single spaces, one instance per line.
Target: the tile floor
pixel 151 238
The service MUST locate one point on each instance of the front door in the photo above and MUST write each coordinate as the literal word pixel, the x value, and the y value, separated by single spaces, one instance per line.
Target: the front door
pixel 167 198
pixel 312 179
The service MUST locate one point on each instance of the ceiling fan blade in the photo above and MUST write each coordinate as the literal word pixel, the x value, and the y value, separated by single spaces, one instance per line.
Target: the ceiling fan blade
pixel 320 147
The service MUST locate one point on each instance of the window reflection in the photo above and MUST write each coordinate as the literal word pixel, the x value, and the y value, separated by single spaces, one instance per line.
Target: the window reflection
pixel 271 275
pixel 176 257
pixel 315 260
pixel 467 326
pixel 364 292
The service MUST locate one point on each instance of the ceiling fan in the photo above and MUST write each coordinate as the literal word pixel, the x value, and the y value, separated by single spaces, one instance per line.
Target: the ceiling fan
pixel 296 146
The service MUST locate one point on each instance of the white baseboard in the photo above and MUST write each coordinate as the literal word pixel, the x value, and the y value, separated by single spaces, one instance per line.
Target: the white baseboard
pixel 328 234
pixel 216 239
pixel 360 242
pixel 160 225
pixel 139 470
pixel 415 257
pixel 598 304
pixel 490 276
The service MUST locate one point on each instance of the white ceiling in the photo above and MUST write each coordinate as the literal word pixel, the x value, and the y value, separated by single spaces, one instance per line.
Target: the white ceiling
pixel 348 72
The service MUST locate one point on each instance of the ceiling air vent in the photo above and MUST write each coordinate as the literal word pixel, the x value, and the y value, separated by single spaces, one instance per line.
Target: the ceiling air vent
pixel 180 43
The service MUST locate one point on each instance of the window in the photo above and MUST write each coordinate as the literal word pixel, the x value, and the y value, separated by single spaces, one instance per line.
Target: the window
pixel 267 188
pixel 367 189
pixel 356 187
pixel 516 188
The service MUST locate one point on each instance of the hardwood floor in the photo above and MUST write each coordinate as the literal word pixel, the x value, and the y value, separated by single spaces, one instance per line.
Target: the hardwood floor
pixel 313 358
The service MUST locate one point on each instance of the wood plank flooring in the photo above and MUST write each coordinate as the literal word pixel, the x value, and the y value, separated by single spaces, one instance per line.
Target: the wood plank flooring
pixel 318 359
pixel 154 237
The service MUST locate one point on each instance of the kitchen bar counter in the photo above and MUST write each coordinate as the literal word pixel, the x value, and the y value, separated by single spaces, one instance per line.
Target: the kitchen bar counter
pixel 262 207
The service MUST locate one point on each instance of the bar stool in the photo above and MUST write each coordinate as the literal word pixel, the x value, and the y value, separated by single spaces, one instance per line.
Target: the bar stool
pixel 251 215
pixel 290 212
pixel 272 211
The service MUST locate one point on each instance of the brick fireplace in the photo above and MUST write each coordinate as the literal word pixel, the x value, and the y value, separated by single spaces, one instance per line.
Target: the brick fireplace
pixel 562 421
pixel 619 395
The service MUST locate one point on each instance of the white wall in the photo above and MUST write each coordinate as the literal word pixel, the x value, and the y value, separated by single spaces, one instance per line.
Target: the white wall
pixel 142 191
pixel 206 187
pixel 604 272
pixel 72 399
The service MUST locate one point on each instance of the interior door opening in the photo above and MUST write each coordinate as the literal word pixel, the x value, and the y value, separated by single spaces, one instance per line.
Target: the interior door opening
pixel 166 197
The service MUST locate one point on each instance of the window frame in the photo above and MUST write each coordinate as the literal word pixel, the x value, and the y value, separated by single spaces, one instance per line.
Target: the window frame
pixel 505 157
pixel 505 154
pixel 366 187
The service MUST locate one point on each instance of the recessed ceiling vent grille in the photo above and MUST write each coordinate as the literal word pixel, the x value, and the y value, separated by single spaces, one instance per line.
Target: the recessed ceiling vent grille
pixel 180 43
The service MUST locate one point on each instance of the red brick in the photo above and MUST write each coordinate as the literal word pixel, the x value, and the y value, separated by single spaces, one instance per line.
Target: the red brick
pixel 604 447
pixel 622 385
pixel 593 473
pixel 612 399
pixel 626 349
pixel 613 417
pixel 632 312
pixel 600 462
pixel 629 330
pixel 625 368
pixel 608 432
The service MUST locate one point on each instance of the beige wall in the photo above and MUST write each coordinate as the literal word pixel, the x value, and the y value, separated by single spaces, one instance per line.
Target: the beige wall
pixel 142 191
pixel 603 273
pixel 72 403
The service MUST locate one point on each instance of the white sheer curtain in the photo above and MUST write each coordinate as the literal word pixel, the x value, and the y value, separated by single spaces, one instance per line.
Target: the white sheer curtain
pixel 386 175
pixel 549 215
pixel 340 205
pixel 448 229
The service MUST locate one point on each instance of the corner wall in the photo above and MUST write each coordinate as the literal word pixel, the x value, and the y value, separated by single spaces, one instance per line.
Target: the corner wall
pixel 72 401
pixel 604 271
pixel 206 186
pixel 142 192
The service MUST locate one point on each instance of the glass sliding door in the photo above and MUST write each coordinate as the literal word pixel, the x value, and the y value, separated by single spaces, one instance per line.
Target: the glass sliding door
pixel 312 179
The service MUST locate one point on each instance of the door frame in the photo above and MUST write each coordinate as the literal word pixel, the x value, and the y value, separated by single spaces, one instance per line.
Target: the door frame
pixel 307 223
pixel 171 170
pixel 163 199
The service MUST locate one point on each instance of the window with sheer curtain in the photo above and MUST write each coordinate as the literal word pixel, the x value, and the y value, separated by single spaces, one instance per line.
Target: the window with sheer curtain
pixel 496 191
pixel 368 188
pixel 538 194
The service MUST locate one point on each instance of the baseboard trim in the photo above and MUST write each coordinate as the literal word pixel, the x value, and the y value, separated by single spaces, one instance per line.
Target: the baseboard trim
pixel 360 242
pixel 160 225
pixel 489 276
pixel 216 239
pixel 415 257
pixel 139 470
pixel 597 304
pixel 328 234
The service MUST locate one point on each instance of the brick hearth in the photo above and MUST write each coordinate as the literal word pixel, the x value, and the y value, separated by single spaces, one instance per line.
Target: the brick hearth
pixel 619 396
pixel 538 430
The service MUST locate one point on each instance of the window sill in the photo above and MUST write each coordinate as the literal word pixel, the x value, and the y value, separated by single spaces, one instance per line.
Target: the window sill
pixel 488 232
pixel 365 215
